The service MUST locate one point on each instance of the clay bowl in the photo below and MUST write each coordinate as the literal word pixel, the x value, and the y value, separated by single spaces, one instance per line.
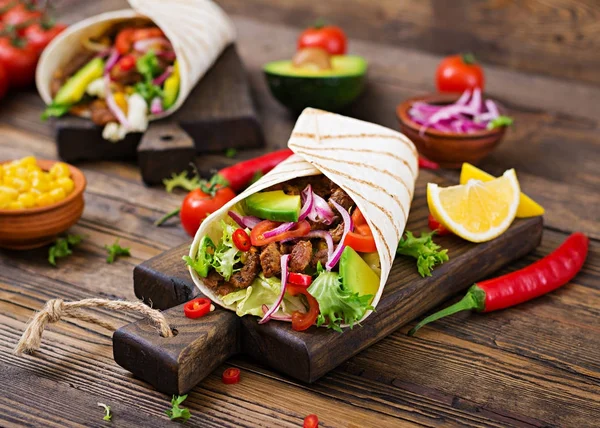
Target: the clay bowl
pixel 448 149
pixel 35 227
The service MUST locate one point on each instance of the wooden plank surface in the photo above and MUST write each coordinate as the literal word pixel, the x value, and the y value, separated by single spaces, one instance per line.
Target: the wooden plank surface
pixel 533 365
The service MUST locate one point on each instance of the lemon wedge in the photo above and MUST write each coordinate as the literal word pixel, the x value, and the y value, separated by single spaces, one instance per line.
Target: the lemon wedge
pixel 527 206
pixel 477 211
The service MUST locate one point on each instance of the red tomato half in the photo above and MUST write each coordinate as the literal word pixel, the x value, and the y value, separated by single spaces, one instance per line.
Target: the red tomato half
pixel 231 376
pixel 197 205
pixel 19 62
pixel 39 37
pixel 459 72
pixel 311 421
pixel 331 38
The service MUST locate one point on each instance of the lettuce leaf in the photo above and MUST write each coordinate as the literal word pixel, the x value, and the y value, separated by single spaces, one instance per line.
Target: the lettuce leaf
pixel 337 305
pixel 226 255
pixel 427 252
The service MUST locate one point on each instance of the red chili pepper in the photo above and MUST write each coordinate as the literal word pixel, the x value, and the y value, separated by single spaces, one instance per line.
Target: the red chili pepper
pixel 437 226
pixel 231 376
pixel 239 175
pixel 299 279
pixel 539 278
pixel 127 62
pixel 197 308
pixel 427 164
pixel 311 421
pixel 241 240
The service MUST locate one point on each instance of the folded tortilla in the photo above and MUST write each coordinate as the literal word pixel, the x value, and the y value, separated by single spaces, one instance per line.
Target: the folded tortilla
pixel 376 166
pixel 199 31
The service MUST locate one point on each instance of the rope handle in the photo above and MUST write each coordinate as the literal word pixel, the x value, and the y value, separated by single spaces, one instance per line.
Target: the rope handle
pixel 57 309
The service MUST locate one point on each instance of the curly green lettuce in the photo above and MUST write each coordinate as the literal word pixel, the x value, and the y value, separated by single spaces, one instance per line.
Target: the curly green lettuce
pixel 427 252
pixel 336 305
pixel 227 254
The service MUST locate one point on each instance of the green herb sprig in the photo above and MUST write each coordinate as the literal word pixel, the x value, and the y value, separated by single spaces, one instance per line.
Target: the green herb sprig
pixel 107 413
pixel 62 248
pixel 115 251
pixel 176 413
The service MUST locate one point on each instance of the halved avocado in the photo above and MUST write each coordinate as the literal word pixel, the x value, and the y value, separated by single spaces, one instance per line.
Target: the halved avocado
pixel 330 89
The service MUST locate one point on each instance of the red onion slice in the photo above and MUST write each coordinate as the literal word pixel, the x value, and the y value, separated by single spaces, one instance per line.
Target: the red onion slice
pixel 283 227
pixel 113 58
pixel 265 309
pixel 335 257
pixel 168 55
pixel 323 234
pixel 307 196
pixel 161 79
pixel 244 221
pixel 112 104
pixel 321 212
pixel 145 44
pixel 156 106
pixel 464 98
pixel 284 275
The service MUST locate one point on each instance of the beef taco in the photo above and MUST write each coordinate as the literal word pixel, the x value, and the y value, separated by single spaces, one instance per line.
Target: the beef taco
pixel 121 69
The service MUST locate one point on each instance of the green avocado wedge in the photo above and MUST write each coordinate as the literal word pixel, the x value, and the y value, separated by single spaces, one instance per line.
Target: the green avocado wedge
pixel 357 276
pixel 331 90
pixel 275 206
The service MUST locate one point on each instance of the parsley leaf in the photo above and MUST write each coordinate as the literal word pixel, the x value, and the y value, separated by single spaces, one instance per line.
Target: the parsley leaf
pixel 107 413
pixel 423 249
pixel 230 153
pixel 500 121
pixel 181 180
pixel 62 248
pixel 148 66
pixel 176 412
pixel 115 251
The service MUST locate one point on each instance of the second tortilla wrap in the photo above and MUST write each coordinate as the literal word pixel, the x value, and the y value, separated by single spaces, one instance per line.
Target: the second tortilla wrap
pixel 376 166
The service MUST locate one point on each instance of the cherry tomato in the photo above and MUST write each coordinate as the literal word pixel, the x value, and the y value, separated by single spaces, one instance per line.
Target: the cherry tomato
pixel 437 226
pixel 197 308
pixel 459 72
pixel 124 41
pixel 147 33
pixel 300 321
pixel 4 84
pixel 241 240
pixel 231 376
pixel 19 60
pixel 258 240
pixel 329 37
pixel 311 421
pixel 299 279
pixel 127 62
pixel 198 205
pixel 40 35
pixel 21 16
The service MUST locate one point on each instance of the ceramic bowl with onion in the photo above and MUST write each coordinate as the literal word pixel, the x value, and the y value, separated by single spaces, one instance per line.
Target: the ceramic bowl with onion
pixel 26 228
pixel 450 129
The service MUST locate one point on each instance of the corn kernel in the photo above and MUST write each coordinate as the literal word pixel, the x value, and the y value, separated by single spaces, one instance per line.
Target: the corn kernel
pixel 59 169
pixel 57 194
pixel 27 199
pixel 66 184
pixel 19 184
pixel 40 184
pixel 27 160
pixel 44 199
pixel 15 205
pixel 7 194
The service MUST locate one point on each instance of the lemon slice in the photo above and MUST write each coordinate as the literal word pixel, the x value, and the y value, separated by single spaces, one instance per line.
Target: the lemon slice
pixel 527 206
pixel 476 211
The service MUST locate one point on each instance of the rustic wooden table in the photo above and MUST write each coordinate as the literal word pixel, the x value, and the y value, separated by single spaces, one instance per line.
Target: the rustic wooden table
pixel 534 365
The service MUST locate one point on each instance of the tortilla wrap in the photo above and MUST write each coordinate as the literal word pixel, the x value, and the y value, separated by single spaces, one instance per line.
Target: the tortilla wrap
pixel 376 166
pixel 199 31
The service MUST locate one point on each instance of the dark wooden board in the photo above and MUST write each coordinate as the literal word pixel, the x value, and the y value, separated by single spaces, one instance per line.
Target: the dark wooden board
pixel 218 114
pixel 200 344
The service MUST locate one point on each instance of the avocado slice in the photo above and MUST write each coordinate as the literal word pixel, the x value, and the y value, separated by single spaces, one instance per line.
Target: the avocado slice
pixel 171 87
pixel 356 274
pixel 275 205
pixel 72 91
pixel 329 89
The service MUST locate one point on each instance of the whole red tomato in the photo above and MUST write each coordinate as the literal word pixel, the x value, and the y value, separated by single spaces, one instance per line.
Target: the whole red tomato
pixel 459 72
pixel 40 35
pixel 4 84
pixel 19 59
pixel 329 37
pixel 198 205
pixel 21 16
pixel 6 5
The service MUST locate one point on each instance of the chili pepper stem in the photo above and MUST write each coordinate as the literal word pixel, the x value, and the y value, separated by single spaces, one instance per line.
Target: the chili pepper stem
pixel 167 216
pixel 473 300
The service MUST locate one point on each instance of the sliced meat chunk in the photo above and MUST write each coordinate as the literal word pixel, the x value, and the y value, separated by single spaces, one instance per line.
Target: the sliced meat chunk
pixel 213 279
pixel 270 260
pixel 286 247
pixel 342 198
pixel 300 256
pixel 225 289
pixel 101 115
pixel 336 234
pixel 244 277
pixel 320 255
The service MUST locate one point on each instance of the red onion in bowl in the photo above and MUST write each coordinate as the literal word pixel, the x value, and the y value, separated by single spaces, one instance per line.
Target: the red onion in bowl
pixel 335 257
pixel 284 275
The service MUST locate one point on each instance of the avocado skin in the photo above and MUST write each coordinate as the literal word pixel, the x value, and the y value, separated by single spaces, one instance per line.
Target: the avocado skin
pixel 329 93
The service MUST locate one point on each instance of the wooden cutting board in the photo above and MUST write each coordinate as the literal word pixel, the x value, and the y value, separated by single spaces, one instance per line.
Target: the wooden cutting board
pixel 175 365
pixel 217 115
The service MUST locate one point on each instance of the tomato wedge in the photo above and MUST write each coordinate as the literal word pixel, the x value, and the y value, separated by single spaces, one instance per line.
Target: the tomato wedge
pixel 197 308
pixel 241 240
pixel 257 236
pixel 299 279
pixel 300 321
pixel 358 218
pixel 231 376
pixel 123 41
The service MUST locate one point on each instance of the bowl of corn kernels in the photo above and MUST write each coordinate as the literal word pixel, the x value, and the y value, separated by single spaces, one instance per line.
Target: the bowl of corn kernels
pixel 39 199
